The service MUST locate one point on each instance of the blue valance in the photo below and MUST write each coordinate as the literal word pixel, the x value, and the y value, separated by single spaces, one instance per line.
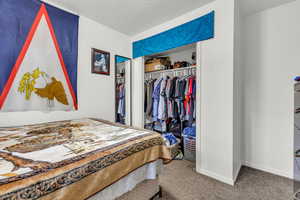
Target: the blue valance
pixel 196 30
pixel 120 59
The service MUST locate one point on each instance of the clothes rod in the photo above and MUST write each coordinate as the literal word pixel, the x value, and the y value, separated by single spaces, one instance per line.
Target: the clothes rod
pixel 172 70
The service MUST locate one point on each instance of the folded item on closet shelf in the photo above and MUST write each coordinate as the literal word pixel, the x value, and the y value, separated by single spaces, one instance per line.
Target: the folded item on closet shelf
pixel 180 64
pixel 154 67
pixel 170 139
pixel 189 131
pixel 157 64
pixel 165 61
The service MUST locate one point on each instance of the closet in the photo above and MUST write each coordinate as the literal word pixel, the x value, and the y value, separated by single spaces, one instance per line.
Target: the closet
pixel 180 43
pixel 122 90
pixel 170 97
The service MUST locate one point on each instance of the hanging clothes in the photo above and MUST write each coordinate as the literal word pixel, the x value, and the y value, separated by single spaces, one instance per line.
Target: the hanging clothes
pixel 148 99
pixel 121 104
pixel 194 98
pixel 181 96
pixel 170 101
pixel 189 100
pixel 156 98
pixel 168 98
pixel 162 105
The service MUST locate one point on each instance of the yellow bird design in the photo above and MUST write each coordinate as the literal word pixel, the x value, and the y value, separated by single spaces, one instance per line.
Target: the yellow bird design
pixel 53 90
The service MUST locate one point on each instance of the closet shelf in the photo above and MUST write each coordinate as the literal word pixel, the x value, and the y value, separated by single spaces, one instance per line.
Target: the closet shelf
pixel 172 70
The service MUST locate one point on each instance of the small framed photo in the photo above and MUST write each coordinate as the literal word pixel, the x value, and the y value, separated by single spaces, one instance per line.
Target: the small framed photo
pixel 100 62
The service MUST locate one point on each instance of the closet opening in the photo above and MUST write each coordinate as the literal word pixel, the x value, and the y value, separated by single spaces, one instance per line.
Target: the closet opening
pixel 170 99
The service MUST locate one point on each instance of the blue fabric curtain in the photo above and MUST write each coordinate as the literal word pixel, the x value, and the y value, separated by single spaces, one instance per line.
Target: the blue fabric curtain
pixel 199 29
pixel 120 59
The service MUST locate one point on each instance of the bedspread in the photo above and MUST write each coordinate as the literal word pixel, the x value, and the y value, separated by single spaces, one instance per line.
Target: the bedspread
pixel 72 159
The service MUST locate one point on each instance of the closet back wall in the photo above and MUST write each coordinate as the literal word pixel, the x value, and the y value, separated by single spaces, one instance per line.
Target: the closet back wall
pixel 93 96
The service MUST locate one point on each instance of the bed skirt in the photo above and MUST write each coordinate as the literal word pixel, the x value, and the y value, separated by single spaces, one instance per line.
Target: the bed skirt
pixel 147 172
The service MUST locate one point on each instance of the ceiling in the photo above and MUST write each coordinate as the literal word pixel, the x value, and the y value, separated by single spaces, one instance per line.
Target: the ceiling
pixel 249 7
pixel 134 16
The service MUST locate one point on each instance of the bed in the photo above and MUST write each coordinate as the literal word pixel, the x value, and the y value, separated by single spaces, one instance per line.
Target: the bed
pixel 145 177
pixel 75 159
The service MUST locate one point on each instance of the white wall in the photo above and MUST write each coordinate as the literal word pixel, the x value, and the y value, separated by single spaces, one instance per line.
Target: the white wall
pixel 237 96
pixel 215 154
pixel 95 92
pixel 271 46
pixel 138 94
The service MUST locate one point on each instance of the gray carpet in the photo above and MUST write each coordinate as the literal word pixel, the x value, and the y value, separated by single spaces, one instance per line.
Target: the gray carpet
pixel 180 181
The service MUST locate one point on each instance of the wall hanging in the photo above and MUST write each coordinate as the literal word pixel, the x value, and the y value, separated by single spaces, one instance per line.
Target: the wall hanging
pixel 100 62
pixel 38 57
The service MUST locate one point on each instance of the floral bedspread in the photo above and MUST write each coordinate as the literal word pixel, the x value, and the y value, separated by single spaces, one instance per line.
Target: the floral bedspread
pixel 44 160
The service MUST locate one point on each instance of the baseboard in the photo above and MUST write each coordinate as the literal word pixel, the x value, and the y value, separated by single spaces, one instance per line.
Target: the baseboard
pixel 235 176
pixel 268 169
pixel 216 176
pixel 244 163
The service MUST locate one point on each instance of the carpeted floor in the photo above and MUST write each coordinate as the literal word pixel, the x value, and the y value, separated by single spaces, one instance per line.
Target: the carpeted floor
pixel 180 181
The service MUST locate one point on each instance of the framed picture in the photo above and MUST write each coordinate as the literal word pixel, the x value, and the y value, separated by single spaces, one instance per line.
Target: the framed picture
pixel 100 62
